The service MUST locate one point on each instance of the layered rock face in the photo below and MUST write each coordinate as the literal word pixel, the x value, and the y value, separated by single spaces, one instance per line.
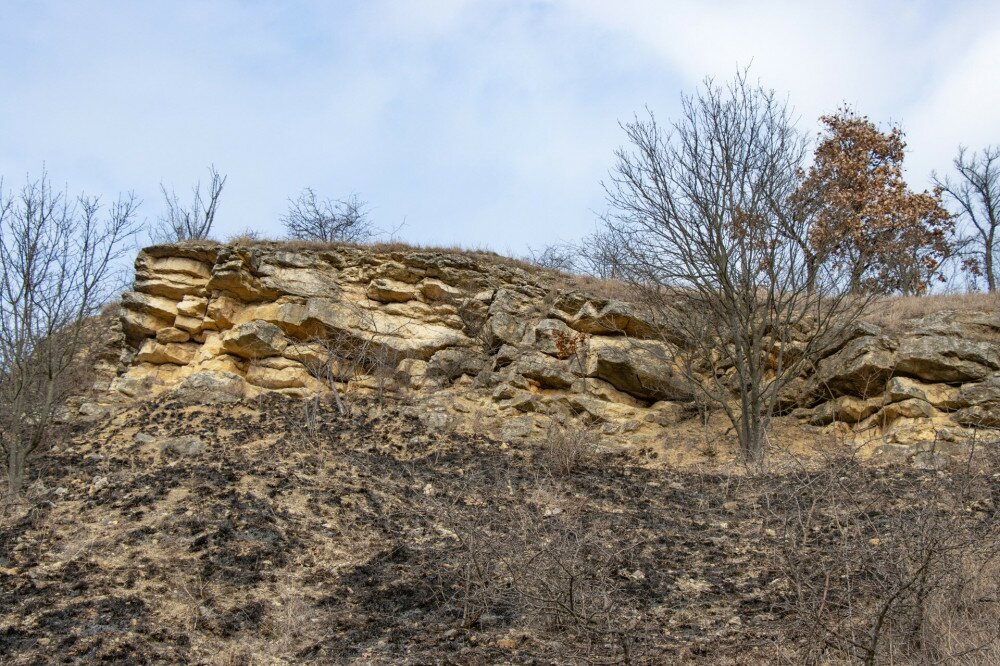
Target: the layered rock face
pixel 228 321
pixel 224 322
pixel 938 381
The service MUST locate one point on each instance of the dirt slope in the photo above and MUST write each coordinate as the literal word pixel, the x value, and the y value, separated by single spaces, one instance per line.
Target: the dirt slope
pixel 370 539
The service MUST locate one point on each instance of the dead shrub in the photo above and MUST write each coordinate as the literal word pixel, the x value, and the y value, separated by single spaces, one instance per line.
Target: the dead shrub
pixel 890 566
pixel 346 357
pixel 565 449
pixel 565 573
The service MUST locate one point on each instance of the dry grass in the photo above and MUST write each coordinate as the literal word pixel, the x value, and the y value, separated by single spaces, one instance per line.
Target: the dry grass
pixel 895 313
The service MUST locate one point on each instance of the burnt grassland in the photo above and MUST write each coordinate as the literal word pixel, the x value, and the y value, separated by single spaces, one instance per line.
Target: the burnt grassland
pixel 371 538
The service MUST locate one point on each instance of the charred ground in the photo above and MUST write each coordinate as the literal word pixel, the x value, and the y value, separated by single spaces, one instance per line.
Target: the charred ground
pixel 293 536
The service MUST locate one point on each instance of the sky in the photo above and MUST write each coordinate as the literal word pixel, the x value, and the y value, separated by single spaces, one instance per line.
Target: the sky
pixel 480 123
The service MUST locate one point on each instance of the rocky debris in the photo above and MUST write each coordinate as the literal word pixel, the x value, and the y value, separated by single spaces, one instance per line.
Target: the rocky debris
pixel 182 445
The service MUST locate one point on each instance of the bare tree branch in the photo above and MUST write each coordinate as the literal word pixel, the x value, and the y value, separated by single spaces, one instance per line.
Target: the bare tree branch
pixel 58 258
pixel 193 222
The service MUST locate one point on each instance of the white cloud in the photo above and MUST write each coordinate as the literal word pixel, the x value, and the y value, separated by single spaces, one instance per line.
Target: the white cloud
pixel 481 123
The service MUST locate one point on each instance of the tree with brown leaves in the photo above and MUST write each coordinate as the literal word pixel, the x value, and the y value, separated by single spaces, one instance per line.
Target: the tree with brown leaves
pixel 859 213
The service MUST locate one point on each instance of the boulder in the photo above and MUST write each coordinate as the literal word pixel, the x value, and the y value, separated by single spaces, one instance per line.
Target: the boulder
pixel 522 426
pixel 861 368
pixel 171 334
pixel 913 408
pixel 575 404
pixel 184 445
pixel 454 362
pixel 221 312
pixel 967 325
pixel 555 338
pixel 389 334
pixel 940 396
pixel 518 400
pixel 435 290
pixel 385 290
pixel 175 353
pixel 171 277
pixel 506 320
pixel 411 372
pixel 946 359
pixel 600 389
pixel 138 325
pixel 314 279
pixel 615 318
pixel 210 387
pixel 642 368
pixel 979 416
pixel 157 306
pixel 666 413
pixel 546 371
pixel 192 306
pixel 254 340
pixel 192 325
pixel 981 404
pixel 504 328
pixel 309 354
pixel 233 272
pixel 846 409
pixel 276 376
pixel 980 394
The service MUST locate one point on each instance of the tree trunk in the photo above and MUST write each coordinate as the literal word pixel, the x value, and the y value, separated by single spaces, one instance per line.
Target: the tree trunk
pixel 15 472
pixel 991 278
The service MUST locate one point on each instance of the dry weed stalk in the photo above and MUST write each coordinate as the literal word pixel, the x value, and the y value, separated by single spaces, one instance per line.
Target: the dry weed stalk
pixel 563 571
pixel 884 571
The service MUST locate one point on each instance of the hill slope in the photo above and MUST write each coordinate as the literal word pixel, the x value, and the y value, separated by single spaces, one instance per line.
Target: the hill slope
pixel 275 530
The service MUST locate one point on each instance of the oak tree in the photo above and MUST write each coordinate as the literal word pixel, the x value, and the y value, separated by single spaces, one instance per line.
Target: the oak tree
pixel 858 213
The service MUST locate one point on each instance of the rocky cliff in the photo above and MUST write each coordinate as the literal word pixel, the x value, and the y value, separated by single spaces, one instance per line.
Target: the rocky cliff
pixel 473 332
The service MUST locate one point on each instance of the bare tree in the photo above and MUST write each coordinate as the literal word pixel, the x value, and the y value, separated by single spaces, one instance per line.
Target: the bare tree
pixel 327 220
pixel 698 219
pixel 976 195
pixel 599 255
pixel 58 258
pixel 193 222
pixel 557 257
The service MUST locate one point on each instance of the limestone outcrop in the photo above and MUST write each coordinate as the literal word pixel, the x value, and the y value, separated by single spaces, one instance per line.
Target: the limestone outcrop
pixel 223 322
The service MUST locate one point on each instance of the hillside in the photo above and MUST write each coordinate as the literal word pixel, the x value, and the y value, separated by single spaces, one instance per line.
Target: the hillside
pixel 173 533
pixel 299 454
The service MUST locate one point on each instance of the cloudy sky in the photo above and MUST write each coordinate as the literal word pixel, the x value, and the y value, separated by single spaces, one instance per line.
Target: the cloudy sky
pixel 484 123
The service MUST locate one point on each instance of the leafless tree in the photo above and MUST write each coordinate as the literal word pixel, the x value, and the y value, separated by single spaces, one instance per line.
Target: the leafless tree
pixel 193 222
pixel 698 219
pixel 976 196
pixel 599 255
pixel 558 257
pixel 327 220
pixel 58 258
